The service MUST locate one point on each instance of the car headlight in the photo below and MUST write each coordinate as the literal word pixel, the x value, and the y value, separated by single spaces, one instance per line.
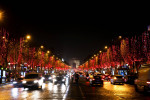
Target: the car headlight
pixel 23 81
pixel 54 76
pixel 14 82
pixel 36 81
pixel 54 80
pixel 49 78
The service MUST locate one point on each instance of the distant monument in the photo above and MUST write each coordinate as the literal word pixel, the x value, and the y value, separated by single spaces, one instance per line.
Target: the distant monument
pixel 74 63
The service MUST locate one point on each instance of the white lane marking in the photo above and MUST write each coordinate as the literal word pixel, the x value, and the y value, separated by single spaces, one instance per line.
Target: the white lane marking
pixel 65 95
pixel 81 92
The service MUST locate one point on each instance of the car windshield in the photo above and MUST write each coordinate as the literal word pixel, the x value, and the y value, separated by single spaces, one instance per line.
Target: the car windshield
pixel 20 78
pixel 47 76
pixel 119 76
pixel 97 77
pixel 99 74
pixel 30 76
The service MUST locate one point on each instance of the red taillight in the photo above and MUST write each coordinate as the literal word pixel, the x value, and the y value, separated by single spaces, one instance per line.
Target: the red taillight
pixel 148 82
pixel 103 76
pixel 109 77
pixel 93 79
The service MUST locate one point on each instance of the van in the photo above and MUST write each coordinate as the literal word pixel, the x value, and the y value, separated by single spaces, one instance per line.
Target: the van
pixel 143 78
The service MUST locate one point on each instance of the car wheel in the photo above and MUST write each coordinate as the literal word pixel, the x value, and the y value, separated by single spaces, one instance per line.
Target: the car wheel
pixel 145 89
pixel 136 88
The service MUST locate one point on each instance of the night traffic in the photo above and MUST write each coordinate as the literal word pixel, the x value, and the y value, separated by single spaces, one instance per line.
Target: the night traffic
pixel 48 52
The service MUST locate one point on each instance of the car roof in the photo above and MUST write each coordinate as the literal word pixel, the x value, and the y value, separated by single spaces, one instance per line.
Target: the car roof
pixel 145 65
pixel 117 75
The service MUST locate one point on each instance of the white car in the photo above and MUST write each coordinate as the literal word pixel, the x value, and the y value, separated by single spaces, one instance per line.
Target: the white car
pixel 143 78
pixel 117 79
pixel 33 80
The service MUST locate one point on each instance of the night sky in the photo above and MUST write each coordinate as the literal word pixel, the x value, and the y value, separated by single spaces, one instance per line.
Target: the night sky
pixel 67 31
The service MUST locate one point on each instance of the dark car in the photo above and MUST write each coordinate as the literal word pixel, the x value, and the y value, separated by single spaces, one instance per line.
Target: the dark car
pixel 117 79
pixel 59 79
pixel 18 82
pixel 48 78
pixel 106 77
pixel 129 79
pixel 97 80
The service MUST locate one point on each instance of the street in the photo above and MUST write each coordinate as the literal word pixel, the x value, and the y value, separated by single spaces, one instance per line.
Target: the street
pixel 72 91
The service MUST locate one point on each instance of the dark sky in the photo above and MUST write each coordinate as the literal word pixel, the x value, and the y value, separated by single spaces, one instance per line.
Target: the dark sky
pixel 70 32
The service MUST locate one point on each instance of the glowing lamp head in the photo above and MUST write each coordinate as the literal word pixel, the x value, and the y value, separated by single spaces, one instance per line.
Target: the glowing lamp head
pixel 120 37
pixel 28 37
pixel 1 15
pixel 106 47
pixel 48 51
pixel 42 46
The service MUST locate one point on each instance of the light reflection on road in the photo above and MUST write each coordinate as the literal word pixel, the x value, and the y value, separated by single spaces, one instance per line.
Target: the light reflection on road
pixel 48 91
pixel 14 92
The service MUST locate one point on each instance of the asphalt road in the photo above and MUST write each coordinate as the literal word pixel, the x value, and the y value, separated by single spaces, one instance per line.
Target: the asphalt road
pixel 72 91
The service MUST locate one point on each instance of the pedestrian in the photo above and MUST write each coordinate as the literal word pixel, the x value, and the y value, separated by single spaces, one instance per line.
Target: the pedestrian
pixel 76 77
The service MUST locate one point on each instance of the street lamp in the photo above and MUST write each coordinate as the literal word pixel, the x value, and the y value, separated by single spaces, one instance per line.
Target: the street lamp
pixel 1 15
pixel 120 37
pixel 42 46
pixel 48 51
pixel 100 51
pixel 106 47
pixel 28 37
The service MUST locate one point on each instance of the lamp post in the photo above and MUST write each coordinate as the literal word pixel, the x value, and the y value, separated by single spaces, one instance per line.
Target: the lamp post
pixel 41 47
pixel 47 59
pixel 26 45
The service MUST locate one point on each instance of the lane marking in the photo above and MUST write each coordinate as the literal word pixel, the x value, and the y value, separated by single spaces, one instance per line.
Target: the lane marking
pixel 81 92
pixel 66 92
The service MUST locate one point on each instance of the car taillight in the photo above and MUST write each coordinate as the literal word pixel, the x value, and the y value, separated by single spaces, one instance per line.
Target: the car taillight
pixel 93 79
pixel 103 76
pixel 109 77
pixel 148 82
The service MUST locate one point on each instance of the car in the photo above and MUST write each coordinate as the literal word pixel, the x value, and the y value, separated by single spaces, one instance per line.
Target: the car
pixel 117 79
pixel 106 77
pixel 143 78
pixel 97 80
pixel 18 82
pixel 48 78
pixel 129 79
pixel 87 77
pixel 59 79
pixel 33 80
